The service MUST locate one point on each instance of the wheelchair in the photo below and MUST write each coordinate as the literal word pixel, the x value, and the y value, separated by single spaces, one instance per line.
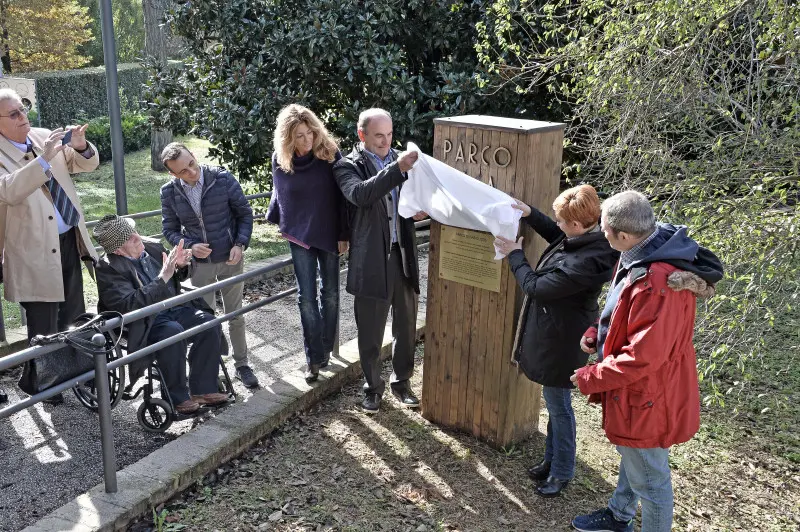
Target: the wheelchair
pixel 155 414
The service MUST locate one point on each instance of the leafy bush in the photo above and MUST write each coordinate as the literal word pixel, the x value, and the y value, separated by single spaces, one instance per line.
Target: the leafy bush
pixel 64 96
pixel 695 104
pixel 43 35
pixel 251 57
pixel 135 133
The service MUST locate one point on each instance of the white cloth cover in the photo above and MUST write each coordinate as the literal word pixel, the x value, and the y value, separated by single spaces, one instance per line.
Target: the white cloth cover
pixel 453 198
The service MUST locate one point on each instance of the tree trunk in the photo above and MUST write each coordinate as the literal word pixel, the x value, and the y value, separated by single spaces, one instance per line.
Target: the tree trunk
pixel 5 51
pixel 155 46
pixel 158 139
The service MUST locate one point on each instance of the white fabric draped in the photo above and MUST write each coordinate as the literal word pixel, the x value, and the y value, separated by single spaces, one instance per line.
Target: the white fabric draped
pixel 453 198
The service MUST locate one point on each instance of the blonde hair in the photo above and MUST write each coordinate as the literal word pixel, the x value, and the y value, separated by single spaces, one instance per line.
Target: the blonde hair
pixel 578 204
pixel 291 116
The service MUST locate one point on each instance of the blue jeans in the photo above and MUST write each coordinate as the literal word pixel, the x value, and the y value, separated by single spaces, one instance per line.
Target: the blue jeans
pixel 644 474
pixel 318 317
pixel 559 447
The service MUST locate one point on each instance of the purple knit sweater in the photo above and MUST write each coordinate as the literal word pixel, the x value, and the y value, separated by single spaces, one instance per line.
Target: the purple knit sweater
pixel 308 205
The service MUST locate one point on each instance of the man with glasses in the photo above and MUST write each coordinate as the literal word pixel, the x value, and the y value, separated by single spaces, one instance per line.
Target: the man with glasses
pixel 42 228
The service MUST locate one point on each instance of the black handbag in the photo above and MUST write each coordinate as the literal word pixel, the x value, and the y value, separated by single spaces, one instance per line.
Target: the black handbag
pixel 54 368
pixel 61 365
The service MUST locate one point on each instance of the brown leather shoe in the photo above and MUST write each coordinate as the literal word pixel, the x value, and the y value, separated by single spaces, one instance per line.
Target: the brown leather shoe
pixel 187 407
pixel 211 398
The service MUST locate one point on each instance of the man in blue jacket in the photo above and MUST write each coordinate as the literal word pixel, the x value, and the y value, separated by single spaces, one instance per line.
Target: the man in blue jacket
pixel 205 207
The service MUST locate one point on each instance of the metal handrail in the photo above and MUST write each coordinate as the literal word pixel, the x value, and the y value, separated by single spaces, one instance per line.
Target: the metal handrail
pixel 146 214
pixel 149 214
pixel 102 366
pixel 30 353
pixel 135 216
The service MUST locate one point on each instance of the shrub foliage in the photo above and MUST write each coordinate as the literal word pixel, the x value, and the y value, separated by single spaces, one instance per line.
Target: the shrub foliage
pixel 251 57
pixel 135 133
pixel 43 34
pixel 696 104
pixel 64 96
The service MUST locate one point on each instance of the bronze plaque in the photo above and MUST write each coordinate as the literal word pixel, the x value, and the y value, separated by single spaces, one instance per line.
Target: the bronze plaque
pixel 467 257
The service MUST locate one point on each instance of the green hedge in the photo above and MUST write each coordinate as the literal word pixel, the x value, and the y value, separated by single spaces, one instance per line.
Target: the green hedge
pixel 68 95
pixel 135 133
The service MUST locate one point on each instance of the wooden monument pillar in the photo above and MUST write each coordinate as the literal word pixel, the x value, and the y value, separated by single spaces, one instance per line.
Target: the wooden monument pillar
pixel 469 382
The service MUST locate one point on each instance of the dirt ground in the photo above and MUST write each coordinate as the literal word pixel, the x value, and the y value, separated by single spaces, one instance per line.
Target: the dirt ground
pixel 337 469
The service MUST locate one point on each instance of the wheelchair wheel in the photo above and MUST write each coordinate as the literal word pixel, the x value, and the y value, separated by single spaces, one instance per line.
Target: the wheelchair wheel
pixel 86 392
pixel 224 346
pixel 154 415
pixel 224 386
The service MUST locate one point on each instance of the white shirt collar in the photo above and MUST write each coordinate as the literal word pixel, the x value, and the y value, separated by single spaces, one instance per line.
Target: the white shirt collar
pixel 22 147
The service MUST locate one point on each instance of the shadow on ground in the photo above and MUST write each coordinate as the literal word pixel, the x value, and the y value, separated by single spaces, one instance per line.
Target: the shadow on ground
pixel 336 468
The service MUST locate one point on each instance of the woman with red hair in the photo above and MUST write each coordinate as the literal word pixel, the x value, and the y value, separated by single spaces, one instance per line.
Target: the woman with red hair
pixel 560 303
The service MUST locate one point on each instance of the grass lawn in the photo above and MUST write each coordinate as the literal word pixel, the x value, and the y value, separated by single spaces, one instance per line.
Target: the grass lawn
pixel 96 190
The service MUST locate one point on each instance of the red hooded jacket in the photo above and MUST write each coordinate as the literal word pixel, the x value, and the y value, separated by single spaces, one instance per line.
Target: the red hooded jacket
pixel 647 380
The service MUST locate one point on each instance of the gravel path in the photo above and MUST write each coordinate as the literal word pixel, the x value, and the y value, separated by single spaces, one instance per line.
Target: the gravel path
pixel 51 454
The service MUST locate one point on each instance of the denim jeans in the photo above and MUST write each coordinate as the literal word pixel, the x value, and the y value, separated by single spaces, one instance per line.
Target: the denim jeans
pixel 644 475
pixel 317 315
pixel 560 443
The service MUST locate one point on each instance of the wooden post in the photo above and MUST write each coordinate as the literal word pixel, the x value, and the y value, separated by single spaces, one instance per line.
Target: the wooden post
pixel 469 382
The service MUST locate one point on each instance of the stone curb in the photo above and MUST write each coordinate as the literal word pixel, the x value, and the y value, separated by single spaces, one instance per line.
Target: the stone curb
pixel 176 466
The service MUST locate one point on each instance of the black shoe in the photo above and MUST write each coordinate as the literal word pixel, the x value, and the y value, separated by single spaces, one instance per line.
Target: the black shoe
pixel 552 487
pixel 539 471
pixel 246 375
pixel 371 403
pixel 601 521
pixel 312 373
pixel 406 398
pixel 55 400
pixel 3 397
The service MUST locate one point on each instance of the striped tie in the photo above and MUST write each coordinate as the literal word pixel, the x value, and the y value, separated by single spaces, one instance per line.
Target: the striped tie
pixel 62 202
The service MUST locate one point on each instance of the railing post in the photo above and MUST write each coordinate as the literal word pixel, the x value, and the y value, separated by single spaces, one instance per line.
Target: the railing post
pixel 114 113
pixel 104 412
pixel 339 310
pixel 2 325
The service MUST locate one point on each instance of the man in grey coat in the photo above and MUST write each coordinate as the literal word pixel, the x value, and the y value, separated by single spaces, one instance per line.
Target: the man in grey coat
pixel 383 271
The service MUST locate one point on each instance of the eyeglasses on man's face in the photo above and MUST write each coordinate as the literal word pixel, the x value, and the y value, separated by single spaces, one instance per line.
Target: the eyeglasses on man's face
pixel 17 113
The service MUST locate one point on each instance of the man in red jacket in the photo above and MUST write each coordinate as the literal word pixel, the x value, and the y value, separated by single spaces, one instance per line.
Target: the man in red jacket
pixel 646 376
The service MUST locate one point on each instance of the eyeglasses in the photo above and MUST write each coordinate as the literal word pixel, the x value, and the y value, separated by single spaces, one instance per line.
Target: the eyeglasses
pixel 17 113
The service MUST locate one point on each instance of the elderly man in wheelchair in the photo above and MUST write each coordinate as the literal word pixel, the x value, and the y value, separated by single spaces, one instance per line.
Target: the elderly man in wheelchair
pixel 137 272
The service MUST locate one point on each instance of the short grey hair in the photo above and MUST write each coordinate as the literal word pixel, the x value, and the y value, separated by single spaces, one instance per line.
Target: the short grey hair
pixel 9 94
pixel 172 151
pixel 367 115
pixel 631 212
